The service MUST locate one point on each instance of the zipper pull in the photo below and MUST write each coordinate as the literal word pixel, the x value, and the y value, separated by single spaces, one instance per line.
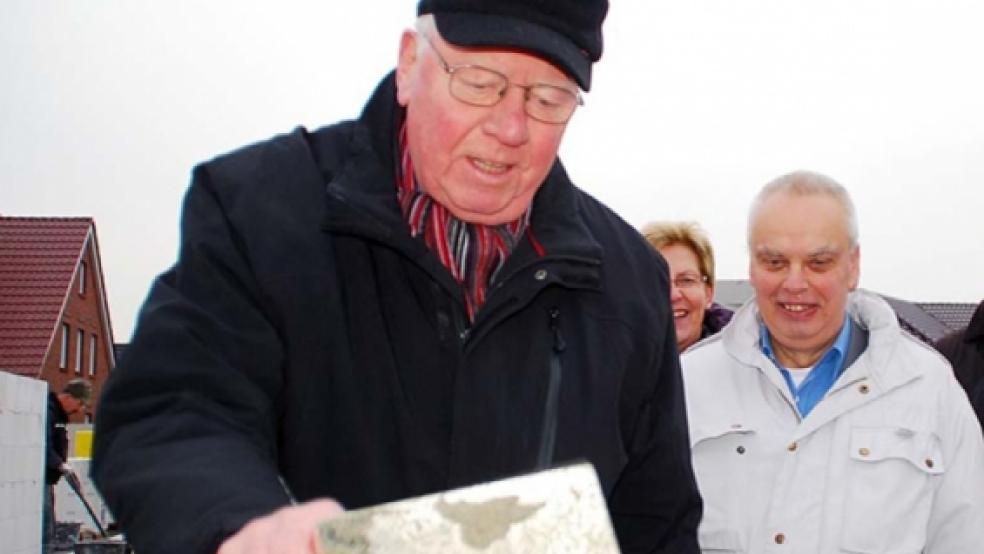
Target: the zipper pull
pixel 558 339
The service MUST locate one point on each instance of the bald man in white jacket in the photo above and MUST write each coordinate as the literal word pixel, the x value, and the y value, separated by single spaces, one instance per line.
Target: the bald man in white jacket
pixel 816 424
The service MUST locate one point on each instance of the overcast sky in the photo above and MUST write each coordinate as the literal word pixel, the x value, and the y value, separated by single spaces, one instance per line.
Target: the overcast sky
pixel 105 106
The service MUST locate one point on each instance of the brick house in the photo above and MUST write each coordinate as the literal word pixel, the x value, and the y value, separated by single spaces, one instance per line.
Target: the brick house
pixel 54 314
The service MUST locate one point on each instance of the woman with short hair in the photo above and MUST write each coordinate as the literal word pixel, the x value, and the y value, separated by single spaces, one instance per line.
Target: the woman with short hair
pixel 690 256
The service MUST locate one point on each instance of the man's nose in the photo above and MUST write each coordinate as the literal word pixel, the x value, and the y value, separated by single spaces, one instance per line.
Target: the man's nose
pixel 795 280
pixel 508 121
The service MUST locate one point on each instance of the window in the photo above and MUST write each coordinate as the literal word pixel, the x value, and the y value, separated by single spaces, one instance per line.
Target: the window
pixel 82 278
pixel 63 356
pixel 79 341
pixel 93 340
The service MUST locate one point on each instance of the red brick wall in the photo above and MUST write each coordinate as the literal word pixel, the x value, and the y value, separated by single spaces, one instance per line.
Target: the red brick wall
pixel 82 311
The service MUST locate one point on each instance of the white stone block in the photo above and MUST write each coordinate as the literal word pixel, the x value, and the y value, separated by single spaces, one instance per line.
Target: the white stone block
pixel 4 385
pixel 6 502
pixel 19 473
pixel 32 533
pixel 17 399
pixel 23 406
pixel 7 424
pixel 32 498
pixel 35 432
pixel 6 528
pixel 6 392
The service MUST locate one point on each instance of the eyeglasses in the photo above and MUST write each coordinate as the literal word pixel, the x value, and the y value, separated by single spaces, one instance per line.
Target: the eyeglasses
pixel 689 280
pixel 480 86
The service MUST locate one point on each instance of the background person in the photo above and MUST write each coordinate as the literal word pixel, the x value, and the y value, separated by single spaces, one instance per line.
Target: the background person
pixel 411 302
pixel 817 425
pixel 73 399
pixel 965 351
pixel 690 256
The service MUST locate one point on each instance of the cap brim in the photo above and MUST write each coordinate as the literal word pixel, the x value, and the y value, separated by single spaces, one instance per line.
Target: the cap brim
pixel 474 30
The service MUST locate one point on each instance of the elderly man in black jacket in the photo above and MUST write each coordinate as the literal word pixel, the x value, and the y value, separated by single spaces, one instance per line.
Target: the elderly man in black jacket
pixel 410 302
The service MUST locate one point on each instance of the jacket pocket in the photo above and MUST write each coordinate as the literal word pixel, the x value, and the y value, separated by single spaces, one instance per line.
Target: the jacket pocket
pixel 890 480
pixel 719 451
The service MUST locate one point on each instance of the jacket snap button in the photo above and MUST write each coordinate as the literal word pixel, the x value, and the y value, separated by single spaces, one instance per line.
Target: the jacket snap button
pixel 741 449
pixel 792 447
pixel 929 463
pixel 864 451
pixel 780 538
pixel 540 274
pixel 864 389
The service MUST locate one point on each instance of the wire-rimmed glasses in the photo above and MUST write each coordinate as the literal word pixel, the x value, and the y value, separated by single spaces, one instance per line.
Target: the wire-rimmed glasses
pixel 481 86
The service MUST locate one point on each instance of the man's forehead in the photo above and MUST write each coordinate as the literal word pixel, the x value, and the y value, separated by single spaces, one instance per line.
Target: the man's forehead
pixel 793 215
pixel 781 250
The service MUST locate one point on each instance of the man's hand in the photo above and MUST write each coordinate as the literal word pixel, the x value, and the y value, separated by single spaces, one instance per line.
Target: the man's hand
pixel 71 476
pixel 290 530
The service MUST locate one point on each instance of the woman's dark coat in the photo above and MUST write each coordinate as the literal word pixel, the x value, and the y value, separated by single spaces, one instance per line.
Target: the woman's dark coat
pixel 305 345
pixel 965 350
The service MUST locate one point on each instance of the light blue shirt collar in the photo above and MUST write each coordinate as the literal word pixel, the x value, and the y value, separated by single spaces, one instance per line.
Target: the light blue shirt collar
pixel 823 375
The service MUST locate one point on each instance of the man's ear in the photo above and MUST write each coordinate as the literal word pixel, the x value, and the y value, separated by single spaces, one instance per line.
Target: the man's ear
pixel 406 66
pixel 855 267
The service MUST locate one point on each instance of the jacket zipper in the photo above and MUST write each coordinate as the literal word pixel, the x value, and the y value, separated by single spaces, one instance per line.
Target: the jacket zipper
pixel 549 434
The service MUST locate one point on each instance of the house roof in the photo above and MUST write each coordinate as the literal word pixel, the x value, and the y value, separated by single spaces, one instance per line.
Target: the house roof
pixel 953 315
pixel 38 259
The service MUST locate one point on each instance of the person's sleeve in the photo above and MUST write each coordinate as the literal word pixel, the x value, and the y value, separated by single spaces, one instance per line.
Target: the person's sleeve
pixel 957 521
pixel 53 460
pixel 185 438
pixel 655 505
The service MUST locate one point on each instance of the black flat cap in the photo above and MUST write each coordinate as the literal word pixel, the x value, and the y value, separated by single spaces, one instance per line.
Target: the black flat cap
pixel 567 33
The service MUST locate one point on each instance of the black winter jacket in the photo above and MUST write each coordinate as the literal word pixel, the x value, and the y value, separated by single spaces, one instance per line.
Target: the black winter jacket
pixel 305 345
pixel 57 451
pixel 964 349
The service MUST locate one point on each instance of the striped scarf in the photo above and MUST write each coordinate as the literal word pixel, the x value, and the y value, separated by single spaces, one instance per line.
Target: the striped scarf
pixel 472 252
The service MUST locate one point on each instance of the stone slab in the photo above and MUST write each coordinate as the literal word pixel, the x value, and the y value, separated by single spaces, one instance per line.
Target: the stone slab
pixel 555 511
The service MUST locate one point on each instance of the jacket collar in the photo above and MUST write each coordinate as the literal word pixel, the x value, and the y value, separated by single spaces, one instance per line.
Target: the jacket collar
pixel 871 315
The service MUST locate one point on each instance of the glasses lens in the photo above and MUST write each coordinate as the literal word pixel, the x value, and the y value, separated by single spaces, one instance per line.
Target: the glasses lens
pixel 477 85
pixel 551 104
pixel 687 281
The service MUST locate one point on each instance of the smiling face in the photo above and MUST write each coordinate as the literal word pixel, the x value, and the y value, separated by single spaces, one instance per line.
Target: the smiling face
pixel 482 163
pixel 690 295
pixel 802 268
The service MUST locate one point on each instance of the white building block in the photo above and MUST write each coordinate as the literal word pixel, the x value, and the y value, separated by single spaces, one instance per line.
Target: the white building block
pixel 23 407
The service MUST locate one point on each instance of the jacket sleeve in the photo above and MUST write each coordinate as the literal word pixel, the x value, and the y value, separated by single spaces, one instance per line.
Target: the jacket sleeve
pixel 185 441
pixel 53 459
pixel 957 521
pixel 655 506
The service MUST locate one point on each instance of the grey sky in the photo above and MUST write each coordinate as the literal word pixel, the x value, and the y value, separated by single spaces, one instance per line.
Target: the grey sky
pixel 107 105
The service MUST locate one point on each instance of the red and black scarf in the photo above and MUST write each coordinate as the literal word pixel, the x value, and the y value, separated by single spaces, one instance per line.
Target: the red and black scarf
pixel 472 252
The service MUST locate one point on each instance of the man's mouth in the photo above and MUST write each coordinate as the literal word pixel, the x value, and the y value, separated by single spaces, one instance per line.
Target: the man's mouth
pixel 795 308
pixel 488 166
